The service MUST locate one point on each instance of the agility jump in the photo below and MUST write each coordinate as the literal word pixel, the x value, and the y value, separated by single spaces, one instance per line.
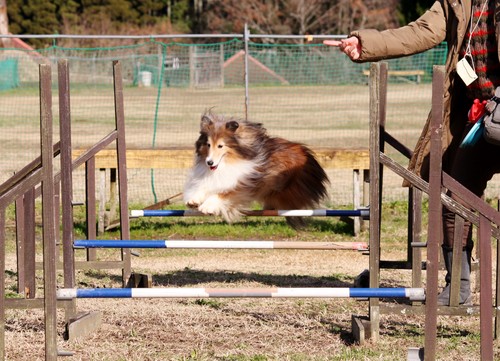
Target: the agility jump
pixel 69 293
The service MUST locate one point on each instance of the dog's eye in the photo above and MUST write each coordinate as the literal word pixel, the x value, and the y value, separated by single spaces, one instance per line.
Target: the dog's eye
pixel 208 145
pixel 220 146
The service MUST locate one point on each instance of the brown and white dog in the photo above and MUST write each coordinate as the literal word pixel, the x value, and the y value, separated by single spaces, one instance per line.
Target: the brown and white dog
pixel 238 163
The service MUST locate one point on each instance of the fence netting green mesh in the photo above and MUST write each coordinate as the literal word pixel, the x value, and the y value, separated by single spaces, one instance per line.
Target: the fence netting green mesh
pixel 309 93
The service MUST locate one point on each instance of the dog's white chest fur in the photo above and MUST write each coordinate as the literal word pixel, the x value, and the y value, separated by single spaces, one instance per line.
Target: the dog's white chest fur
pixel 203 182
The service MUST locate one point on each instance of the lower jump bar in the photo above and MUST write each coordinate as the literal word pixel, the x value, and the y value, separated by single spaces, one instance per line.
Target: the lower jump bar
pixel 414 294
pixel 201 244
pixel 363 212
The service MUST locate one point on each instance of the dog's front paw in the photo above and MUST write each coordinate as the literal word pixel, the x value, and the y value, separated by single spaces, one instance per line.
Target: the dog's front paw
pixel 192 204
pixel 194 201
pixel 216 206
pixel 213 205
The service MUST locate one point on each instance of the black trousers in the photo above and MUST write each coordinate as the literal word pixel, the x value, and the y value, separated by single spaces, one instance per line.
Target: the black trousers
pixel 473 167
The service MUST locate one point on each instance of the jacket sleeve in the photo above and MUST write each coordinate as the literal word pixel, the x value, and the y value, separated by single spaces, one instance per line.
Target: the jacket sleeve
pixel 422 34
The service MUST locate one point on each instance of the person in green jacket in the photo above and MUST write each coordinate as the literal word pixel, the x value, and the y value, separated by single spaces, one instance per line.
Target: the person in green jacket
pixel 472 36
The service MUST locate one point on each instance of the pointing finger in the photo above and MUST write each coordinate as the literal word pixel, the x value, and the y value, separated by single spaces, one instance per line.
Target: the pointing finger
pixel 332 42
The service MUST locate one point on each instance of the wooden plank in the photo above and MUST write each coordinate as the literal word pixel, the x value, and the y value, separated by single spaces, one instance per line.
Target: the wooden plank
pixel 358 330
pixel 82 325
pixel 399 72
pixel 182 158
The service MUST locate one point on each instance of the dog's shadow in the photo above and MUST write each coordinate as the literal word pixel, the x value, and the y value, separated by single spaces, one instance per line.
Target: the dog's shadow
pixel 191 277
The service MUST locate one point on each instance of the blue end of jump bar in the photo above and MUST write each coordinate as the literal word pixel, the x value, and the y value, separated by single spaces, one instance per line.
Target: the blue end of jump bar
pixel 377 292
pixel 104 293
pixel 343 213
pixel 164 213
pixel 93 243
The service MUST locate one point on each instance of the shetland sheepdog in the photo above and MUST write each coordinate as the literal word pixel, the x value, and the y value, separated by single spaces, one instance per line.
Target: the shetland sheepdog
pixel 238 163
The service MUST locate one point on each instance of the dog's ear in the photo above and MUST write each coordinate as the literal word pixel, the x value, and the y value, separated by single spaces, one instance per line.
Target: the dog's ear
pixel 200 143
pixel 232 125
pixel 205 123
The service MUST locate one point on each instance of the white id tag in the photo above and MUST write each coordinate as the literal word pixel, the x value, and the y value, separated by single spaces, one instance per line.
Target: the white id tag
pixel 465 71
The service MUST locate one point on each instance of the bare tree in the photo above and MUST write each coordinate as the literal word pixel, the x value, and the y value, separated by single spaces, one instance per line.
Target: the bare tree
pixel 4 24
pixel 299 17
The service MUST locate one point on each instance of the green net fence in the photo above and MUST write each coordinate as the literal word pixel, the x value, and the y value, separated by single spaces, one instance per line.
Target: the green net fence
pixel 309 93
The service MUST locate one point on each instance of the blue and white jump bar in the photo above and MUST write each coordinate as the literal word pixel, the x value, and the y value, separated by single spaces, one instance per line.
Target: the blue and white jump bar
pixel 414 294
pixel 362 212
pixel 208 244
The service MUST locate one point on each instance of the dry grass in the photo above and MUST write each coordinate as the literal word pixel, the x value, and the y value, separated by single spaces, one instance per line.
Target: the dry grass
pixel 242 329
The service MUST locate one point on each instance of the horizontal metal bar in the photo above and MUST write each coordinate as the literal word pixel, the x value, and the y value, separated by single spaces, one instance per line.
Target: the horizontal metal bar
pixel 167 36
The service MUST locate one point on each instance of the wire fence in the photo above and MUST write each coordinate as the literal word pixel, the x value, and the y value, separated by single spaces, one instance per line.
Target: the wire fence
pixel 309 93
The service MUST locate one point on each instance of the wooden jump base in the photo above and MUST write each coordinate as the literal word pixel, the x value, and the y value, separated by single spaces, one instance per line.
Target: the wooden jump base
pixel 365 213
pixel 414 294
pixel 201 244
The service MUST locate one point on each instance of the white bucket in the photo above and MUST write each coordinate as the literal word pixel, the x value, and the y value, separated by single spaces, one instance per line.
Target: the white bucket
pixel 145 78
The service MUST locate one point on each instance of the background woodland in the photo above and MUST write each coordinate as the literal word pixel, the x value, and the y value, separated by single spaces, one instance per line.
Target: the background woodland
pixel 139 17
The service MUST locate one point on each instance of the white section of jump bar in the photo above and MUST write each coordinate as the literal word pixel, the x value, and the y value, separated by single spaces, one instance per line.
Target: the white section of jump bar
pixel 416 294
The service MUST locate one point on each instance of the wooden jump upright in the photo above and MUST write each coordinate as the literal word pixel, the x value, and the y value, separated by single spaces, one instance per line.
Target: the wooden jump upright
pixel 470 207
pixel 38 179
pixel 39 172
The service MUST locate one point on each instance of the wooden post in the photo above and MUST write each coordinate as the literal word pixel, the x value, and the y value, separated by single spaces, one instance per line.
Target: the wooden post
pixel 435 216
pixel 414 235
pixel 20 245
pixel 378 96
pixel 486 295
pixel 49 244
pixel 90 205
pixel 122 168
pixel 66 181
pixel 29 243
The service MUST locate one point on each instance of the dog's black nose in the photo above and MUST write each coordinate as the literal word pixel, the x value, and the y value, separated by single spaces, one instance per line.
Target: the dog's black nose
pixel 210 163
